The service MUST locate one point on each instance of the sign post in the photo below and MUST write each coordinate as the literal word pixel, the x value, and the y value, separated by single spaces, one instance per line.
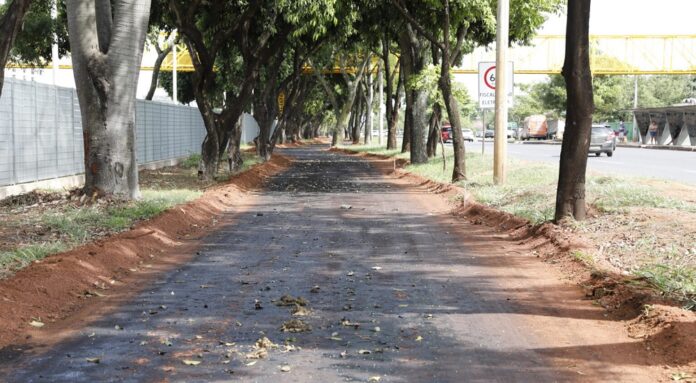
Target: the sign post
pixel 487 98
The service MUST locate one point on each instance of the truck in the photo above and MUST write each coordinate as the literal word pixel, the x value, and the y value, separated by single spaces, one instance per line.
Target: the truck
pixel 540 127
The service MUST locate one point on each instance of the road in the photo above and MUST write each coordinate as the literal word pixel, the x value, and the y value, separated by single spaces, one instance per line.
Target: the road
pixel 634 162
pixel 397 290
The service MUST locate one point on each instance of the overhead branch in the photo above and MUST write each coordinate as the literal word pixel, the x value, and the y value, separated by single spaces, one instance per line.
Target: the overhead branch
pixel 411 20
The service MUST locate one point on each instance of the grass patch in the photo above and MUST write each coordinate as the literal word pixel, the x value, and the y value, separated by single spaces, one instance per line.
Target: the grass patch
pixel 78 225
pixel 675 282
pixel 614 194
pixel 192 161
pixel 19 258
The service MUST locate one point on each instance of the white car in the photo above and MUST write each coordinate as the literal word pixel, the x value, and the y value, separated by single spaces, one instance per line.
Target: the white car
pixel 468 135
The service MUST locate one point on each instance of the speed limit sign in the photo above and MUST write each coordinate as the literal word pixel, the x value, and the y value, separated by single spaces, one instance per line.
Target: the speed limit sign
pixel 486 73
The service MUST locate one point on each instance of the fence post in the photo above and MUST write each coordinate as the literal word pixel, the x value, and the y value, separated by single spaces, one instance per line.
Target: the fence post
pixel 13 112
pixel 56 125
pixel 36 131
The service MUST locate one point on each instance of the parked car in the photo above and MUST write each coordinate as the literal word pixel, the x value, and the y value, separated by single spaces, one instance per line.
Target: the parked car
pixel 468 135
pixel 602 140
pixel 447 133
pixel 490 133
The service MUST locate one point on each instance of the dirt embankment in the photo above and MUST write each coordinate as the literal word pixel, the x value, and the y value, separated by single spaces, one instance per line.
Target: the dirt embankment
pixel 69 287
pixel 668 331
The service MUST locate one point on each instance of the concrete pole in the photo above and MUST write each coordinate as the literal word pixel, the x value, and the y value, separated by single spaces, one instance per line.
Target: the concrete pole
pixel 381 104
pixel 54 46
pixel 175 64
pixel 636 132
pixel 501 111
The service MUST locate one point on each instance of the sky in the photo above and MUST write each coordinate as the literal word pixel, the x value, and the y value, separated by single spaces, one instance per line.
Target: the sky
pixel 634 17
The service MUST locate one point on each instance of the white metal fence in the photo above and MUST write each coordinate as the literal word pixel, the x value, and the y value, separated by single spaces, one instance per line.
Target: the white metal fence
pixel 41 132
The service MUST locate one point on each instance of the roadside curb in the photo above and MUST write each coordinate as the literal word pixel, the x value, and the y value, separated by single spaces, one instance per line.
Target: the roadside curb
pixel 654 147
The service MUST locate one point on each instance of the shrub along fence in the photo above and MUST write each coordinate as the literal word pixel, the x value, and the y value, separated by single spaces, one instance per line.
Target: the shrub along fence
pixel 41 132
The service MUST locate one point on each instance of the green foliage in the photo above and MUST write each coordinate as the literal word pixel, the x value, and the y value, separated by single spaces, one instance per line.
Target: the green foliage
pixel 428 80
pixel 33 43
pixel 184 85
pixel 192 161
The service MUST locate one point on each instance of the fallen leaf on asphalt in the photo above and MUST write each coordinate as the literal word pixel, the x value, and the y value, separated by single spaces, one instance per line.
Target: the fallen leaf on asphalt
pixel 36 323
pixel 258 354
pixel 419 338
pixel 376 329
pixel 374 379
pixel 343 354
pixel 289 348
pixel 295 325
pixel 350 273
pixel 285 368
pixel 250 363
pixel 94 360
pixel 347 323
pixel 364 352
pixel 314 289
pixel 257 304
pixel 191 362
pixel 227 344
pixel 346 207
pixel 264 342
pixel 376 268
pixel 300 311
pixel 117 327
pixel 336 338
pixel 289 300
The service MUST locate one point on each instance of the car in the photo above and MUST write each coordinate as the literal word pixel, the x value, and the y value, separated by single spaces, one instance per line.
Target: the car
pixel 468 135
pixel 490 133
pixel 602 140
pixel 447 133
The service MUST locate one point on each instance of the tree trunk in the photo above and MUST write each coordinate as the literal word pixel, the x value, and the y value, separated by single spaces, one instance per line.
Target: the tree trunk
pixel 434 130
pixel 413 60
pixel 393 117
pixel 445 82
pixel 210 156
pixel 570 197
pixel 357 116
pixel 10 25
pixel 234 154
pixel 369 100
pixel 106 66
pixel 161 55
pixel 393 99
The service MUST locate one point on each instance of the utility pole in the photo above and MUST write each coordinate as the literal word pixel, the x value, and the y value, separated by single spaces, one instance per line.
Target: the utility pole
pixel 501 111
pixel 175 59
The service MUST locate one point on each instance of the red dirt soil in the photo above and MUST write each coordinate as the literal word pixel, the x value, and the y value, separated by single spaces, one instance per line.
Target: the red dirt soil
pixel 668 331
pixel 71 286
